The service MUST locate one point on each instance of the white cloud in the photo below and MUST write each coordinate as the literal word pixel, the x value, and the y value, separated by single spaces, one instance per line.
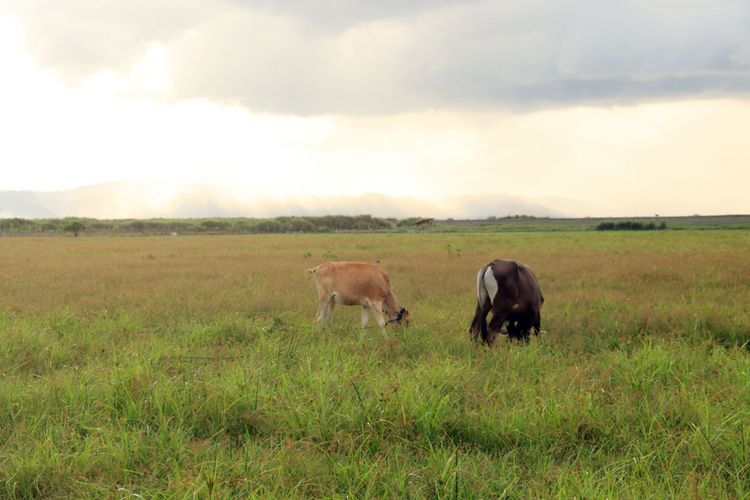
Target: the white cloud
pixel 82 37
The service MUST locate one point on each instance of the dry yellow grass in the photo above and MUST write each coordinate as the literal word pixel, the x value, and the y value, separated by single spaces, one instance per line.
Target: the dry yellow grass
pixel 660 281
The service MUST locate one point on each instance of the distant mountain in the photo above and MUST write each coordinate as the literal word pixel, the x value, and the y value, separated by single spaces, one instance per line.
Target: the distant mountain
pixel 140 200
pixel 23 204
pixel 101 200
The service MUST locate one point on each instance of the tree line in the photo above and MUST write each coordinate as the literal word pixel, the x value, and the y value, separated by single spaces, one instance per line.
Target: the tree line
pixel 75 226
pixel 239 225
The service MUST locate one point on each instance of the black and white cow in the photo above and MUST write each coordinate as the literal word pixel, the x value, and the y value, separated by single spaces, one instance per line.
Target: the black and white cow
pixel 510 289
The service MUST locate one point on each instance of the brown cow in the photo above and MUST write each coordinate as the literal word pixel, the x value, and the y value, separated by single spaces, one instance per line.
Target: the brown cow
pixel 357 284
pixel 510 289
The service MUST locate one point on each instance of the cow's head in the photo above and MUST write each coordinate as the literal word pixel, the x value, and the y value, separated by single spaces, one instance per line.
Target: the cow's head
pixel 402 318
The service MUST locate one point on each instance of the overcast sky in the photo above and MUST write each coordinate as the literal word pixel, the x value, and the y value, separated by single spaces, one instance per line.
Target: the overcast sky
pixel 585 107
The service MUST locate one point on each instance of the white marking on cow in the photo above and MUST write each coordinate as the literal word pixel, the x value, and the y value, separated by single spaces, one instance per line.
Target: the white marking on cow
pixel 481 290
pixel 490 283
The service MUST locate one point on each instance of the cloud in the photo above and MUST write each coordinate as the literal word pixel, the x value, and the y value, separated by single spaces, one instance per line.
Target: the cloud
pixel 337 15
pixel 362 57
pixel 79 37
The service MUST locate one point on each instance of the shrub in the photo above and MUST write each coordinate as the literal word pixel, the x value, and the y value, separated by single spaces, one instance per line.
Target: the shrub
pixel 74 227
pixel 629 226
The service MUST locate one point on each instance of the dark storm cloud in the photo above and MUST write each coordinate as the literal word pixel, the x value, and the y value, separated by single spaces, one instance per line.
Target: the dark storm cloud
pixel 352 57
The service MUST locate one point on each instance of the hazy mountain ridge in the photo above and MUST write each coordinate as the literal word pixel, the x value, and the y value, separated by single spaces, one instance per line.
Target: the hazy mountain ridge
pixel 140 200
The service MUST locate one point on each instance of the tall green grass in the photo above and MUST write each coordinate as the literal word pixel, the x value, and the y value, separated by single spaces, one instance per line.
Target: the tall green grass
pixel 641 388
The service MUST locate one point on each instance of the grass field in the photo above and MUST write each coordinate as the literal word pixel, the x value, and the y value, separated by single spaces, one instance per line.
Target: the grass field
pixel 640 389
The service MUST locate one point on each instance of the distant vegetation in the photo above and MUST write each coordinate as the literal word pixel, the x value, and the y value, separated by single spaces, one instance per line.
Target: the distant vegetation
pixel 324 224
pixel 630 225
pixel 357 223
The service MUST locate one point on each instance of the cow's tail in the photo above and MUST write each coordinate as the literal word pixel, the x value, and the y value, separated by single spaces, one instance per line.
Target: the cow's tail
pixel 479 323
pixel 482 294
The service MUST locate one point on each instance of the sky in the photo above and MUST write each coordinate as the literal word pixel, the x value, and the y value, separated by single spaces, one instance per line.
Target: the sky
pixel 454 108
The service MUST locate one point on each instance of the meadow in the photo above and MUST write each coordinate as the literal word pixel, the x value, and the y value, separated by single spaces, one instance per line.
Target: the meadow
pixel 190 366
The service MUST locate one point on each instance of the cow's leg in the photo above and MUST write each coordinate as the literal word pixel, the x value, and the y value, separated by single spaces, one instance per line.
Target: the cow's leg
pixel 323 298
pixel 322 316
pixel 514 330
pixel 328 307
pixel 496 324
pixel 537 324
pixel 479 323
pixel 377 308
pixel 524 330
pixel 365 316
pixel 331 307
pixel 321 304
